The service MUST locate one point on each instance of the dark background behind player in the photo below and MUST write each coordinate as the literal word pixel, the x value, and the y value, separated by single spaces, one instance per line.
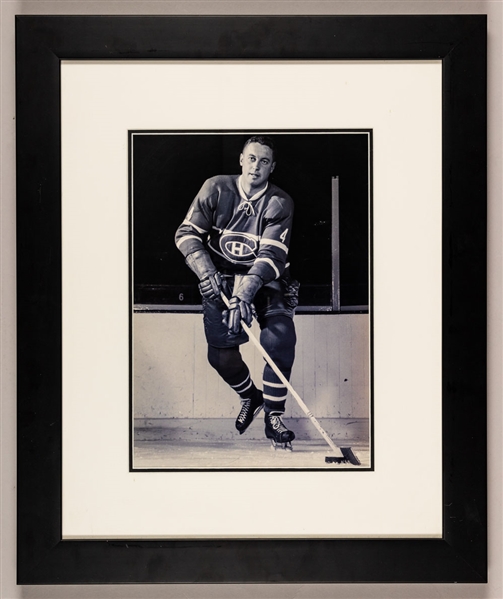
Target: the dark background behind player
pixel 169 169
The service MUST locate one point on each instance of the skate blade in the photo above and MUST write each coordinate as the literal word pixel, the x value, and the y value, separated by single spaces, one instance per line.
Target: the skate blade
pixel 287 446
pixel 348 457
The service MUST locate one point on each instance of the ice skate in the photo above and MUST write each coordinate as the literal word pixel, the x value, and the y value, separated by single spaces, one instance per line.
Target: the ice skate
pixel 249 409
pixel 277 432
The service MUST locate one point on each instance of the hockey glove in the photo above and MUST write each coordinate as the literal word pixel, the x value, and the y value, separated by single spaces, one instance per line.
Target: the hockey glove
pixel 240 304
pixel 211 286
pixel 201 264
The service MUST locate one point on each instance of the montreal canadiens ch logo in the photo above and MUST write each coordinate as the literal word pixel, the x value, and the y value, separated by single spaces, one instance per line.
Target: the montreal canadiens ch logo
pixel 238 247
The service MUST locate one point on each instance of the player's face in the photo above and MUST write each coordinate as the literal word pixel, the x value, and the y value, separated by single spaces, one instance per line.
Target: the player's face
pixel 256 164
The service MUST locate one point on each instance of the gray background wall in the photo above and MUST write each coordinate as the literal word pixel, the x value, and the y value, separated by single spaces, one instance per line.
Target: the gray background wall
pixel 9 8
pixel 172 377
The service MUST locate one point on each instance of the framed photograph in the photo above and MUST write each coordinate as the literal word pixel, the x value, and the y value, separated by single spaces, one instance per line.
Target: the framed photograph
pixel 194 427
pixel 151 248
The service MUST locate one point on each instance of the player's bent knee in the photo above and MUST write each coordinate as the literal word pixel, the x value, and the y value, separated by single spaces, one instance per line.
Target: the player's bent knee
pixel 225 360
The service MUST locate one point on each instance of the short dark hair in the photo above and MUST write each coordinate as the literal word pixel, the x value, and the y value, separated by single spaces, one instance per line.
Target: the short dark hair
pixel 265 140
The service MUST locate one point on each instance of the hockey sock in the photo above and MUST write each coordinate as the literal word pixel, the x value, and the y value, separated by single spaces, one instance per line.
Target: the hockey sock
pixel 246 389
pixel 274 407
pixel 274 391
pixel 229 364
pixel 278 339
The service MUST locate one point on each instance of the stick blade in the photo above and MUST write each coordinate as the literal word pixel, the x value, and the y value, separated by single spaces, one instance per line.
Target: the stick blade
pixel 348 457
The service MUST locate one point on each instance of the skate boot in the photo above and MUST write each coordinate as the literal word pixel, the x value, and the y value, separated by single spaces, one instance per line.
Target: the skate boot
pixel 249 409
pixel 277 432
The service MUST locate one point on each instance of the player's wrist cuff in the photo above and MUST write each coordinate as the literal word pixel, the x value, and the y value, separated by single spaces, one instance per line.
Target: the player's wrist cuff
pixel 201 264
pixel 248 287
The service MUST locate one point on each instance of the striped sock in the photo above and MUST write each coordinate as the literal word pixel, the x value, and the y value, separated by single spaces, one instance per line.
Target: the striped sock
pixel 274 393
pixel 246 388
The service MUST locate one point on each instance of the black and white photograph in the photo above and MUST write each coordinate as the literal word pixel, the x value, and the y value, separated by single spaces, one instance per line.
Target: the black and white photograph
pixel 251 300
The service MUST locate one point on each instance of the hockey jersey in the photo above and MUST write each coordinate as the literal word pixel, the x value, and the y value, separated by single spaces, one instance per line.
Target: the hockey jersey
pixel 241 234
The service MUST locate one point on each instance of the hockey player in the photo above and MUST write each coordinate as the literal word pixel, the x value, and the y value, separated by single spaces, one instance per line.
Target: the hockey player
pixel 235 238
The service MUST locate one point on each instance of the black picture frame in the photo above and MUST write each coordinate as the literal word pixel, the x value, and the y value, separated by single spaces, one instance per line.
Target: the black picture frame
pixel 459 41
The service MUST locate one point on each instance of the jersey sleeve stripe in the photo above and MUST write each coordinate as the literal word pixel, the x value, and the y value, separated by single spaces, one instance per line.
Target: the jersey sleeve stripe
pixel 271 264
pixel 198 229
pixel 278 244
pixel 185 238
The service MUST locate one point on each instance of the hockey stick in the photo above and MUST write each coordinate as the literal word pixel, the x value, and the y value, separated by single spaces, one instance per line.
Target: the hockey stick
pixel 342 454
